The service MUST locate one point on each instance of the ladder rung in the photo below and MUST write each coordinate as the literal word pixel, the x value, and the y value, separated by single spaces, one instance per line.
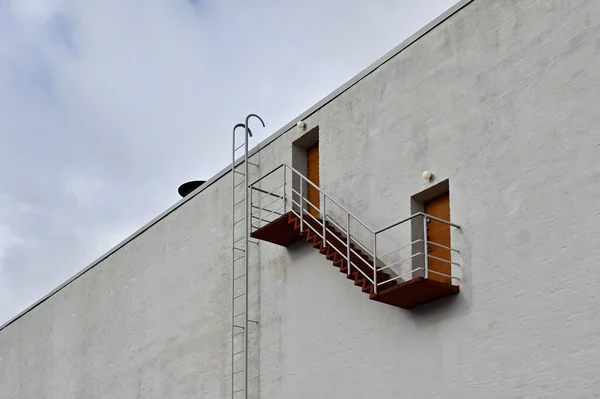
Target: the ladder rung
pixel 238 277
pixel 240 146
pixel 241 173
pixel 253 164
pixel 239 314
pixel 237 353
pixel 240 333
pixel 236 259
pixel 239 249
pixel 239 371
pixel 239 239
pixel 241 220
pixel 239 295
pixel 239 184
pixel 238 391
pixel 239 202
pixel 242 327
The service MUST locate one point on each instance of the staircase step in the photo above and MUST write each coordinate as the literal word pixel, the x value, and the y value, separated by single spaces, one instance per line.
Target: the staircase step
pixel 358 257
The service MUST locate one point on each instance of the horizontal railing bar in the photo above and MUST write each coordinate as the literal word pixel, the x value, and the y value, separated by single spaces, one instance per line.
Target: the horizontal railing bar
pixel 360 256
pixel 294 212
pixel 333 234
pixel 269 174
pixel 340 252
pixel 295 203
pixel 361 272
pixel 398 249
pixel 440 220
pixel 414 216
pixel 272 202
pixel 305 200
pixel 343 229
pixel 268 193
pixel 362 246
pixel 444 260
pixel 398 223
pixel 264 209
pixel 400 261
pixel 445 275
pixel 264 220
pixel 443 246
pixel 276 211
pixel 400 276
pixel 314 218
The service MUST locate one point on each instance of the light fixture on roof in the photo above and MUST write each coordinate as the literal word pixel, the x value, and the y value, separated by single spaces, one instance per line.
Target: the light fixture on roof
pixel 300 124
pixel 190 186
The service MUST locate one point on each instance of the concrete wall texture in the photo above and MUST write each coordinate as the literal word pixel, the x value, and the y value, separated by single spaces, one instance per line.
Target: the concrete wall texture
pixel 502 99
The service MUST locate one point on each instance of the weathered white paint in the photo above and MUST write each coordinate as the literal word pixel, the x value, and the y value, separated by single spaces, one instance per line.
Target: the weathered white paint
pixel 502 99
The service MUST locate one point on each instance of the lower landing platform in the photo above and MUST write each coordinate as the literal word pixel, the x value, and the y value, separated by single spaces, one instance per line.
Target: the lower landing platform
pixel 415 292
pixel 282 231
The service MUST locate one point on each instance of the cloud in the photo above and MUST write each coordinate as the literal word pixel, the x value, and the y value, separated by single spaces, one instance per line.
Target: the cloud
pixel 106 107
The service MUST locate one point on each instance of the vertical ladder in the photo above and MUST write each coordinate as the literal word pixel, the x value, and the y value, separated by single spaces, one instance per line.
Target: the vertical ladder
pixel 239 255
pixel 240 232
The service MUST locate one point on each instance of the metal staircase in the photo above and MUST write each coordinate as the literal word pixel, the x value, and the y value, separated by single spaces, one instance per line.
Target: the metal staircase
pixel 394 265
pixel 241 225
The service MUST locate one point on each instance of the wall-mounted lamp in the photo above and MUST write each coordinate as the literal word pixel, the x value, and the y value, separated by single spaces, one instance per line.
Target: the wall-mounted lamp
pixel 427 175
pixel 300 124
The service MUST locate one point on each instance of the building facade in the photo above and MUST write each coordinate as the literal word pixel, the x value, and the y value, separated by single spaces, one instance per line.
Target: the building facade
pixel 499 100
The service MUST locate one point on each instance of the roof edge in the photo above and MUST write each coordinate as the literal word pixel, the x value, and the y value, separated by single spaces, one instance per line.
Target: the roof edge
pixel 326 100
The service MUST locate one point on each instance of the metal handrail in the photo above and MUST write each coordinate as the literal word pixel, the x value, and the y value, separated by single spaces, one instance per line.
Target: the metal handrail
pixel 325 233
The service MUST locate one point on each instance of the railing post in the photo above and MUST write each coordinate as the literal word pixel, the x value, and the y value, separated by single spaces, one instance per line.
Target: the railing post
pixel 425 247
pixel 284 190
pixel 251 207
pixel 375 262
pixel 324 221
pixel 301 206
pixel 348 242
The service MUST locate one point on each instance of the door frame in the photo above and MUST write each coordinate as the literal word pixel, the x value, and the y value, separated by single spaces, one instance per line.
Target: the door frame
pixel 417 204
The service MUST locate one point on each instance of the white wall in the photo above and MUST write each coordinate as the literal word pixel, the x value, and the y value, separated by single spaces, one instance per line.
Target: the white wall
pixel 502 99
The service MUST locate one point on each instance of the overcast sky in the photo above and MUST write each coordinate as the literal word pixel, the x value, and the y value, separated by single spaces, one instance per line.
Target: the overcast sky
pixel 107 106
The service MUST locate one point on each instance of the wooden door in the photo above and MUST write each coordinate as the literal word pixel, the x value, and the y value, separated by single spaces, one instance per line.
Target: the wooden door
pixel 439 233
pixel 313 194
